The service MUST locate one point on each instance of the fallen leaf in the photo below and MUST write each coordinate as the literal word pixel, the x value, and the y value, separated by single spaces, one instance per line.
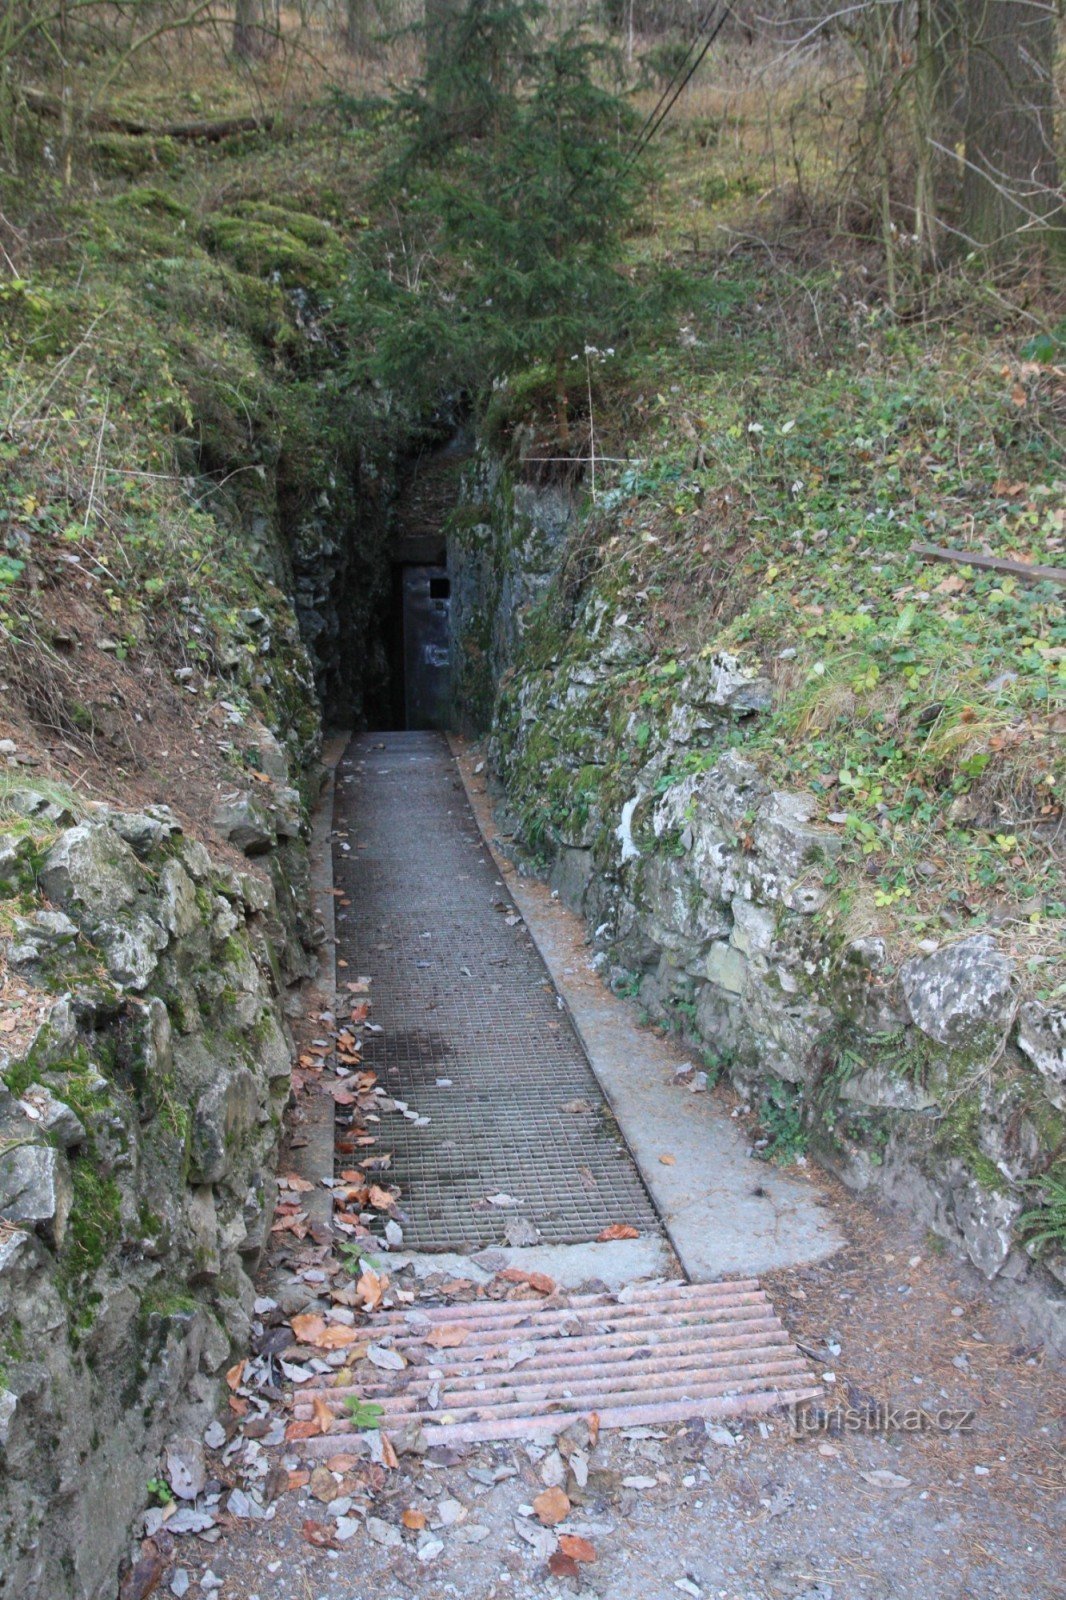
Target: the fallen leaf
pixel 617 1230
pixel 560 1565
pixel 318 1535
pixel 324 1418
pixel 577 1548
pixel 380 1199
pixel 881 1478
pixel 341 1463
pixel 298 1480
pixel 415 1520
pixel 380 1355
pixel 371 1287
pixel 448 1336
pixel 235 1374
pixel 314 1330
pixel 324 1485
pixel 292 1180
pixel 552 1506
pixel 305 1428
pixel 389 1458
pixel 668 1161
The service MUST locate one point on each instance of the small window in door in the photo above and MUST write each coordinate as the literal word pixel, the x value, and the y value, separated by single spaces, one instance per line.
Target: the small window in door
pixel 440 588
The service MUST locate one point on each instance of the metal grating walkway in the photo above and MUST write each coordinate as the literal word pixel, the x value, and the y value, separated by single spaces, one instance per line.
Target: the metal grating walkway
pixel 462 996
pixel 508 1369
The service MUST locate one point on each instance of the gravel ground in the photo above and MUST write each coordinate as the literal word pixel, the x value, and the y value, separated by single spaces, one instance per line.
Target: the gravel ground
pixel 733 1513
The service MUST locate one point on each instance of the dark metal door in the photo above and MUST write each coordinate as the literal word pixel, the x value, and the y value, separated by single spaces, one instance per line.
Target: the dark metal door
pixel 426 647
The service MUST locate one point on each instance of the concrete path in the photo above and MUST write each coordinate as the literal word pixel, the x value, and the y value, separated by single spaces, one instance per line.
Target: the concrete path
pixel 724 1212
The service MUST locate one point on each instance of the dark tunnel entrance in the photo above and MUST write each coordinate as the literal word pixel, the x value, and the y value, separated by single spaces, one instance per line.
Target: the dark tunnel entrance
pixel 418 636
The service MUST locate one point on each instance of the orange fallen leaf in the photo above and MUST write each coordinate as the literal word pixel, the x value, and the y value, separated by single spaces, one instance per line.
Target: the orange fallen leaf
pixel 314 1330
pixel 389 1457
pixel 318 1535
pixel 668 1161
pixel 561 1565
pixel 341 1463
pixel 323 1415
pixel 302 1429
pixel 298 1480
pixel 448 1336
pixel 380 1199
pixel 617 1230
pixel 541 1282
pixel 308 1326
pixel 415 1520
pixel 577 1548
pixel 292 1180
pixel 371 1287
pixel 235 1374
pixel 552 1506
pixel 593 1420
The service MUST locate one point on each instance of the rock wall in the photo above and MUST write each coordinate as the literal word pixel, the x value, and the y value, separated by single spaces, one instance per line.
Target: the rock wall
pixel 138 1132
pixel 929 1076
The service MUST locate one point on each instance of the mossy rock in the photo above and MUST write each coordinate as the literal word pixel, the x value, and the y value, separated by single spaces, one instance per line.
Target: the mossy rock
pixel 146 197
pixel 264 240
pixel 127 155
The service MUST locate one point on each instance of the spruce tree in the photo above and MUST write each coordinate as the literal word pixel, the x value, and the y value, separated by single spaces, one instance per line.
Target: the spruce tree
pixel 509 201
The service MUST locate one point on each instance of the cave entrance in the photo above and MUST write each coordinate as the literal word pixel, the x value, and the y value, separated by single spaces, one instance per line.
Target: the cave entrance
pixel 419 633
pixel 425 593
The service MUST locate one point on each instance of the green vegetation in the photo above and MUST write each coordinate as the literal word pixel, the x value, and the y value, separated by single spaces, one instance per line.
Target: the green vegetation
pixel 783 1124
pixel 1043 1227
pixel 364 1413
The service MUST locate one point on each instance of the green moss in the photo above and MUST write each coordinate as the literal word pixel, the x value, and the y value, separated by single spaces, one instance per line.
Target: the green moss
pixel 93 1230
pixel 261 240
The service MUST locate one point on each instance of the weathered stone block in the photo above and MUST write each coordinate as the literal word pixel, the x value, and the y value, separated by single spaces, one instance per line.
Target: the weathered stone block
pixel 1042 1037
pixel 245 823
pixel 35 1186
pixel 964 996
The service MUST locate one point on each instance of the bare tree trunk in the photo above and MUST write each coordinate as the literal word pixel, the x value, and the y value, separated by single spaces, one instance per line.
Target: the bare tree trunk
pixel 939 67
pixel 255 29
pixel 1011 177
pixel 359 28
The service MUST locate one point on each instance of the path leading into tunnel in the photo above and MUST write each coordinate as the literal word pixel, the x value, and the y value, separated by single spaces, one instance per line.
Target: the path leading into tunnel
pixel 504 1137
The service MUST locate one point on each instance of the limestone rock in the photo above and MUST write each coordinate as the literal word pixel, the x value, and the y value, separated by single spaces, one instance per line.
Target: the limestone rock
pixel 42 807
pixel 246 823
pixel 726 968
pixel 963 996
pixel 52 1116
pixel 225 1112
pixel 877 1086
pixel 1042 1037
pixel 39 936
pixel 35 1187
pixel 178 912
pixel 144 831
pixel 985 1218
pixel 131 950
pixel 16 852
pixel 8 1407
pixel 89 867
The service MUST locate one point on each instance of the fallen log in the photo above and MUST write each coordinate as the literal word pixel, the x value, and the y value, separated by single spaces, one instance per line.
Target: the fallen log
pixel 110 122
pixel 1028 573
